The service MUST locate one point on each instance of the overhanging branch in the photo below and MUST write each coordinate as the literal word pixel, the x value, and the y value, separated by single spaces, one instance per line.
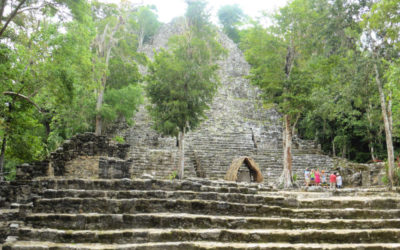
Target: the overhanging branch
pixel 24 98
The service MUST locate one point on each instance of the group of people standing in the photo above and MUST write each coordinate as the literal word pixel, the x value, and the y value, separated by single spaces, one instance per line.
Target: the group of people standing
pixel 315 177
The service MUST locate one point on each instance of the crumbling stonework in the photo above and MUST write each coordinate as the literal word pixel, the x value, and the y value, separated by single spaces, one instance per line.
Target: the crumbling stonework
pixel 4 194
pixel 87 144
pixel 358 174
pixel 83 167
pixel 76 157
pixel 114 168
pixel 28 171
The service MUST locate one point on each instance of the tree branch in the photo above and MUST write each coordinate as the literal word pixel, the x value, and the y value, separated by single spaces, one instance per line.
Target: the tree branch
pixel 12 15
pixel 3 6
pixel 23 97
pixel 33 8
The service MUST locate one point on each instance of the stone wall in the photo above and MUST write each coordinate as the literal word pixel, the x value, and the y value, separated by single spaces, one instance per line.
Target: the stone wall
pixel 28 171
pixel 358 174
pixel 76 157
pixel 87 144
pixel 83 167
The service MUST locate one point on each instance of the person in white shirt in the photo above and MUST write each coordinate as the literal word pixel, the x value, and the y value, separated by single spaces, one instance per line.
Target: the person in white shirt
pixel 307 177
pixel 339 181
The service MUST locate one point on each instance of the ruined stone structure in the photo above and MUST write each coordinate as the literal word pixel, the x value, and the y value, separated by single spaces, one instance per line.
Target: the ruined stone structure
pixel 238 124
pixel 84 196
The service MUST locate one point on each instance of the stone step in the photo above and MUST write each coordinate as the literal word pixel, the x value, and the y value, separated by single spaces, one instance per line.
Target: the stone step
pixel 201 245
pixel 161 194
pixel 8 228
pixel 127 236
pixel 8 214
pixel 93 221
pixel 208 182
pixel 349 191
pixel 377 191
pixel 147 184
pixel 351 202
pixel 309 202
pixel 121 206
pixel 8 218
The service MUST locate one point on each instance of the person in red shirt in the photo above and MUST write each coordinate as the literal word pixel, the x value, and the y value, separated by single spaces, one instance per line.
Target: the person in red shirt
pixel 332 180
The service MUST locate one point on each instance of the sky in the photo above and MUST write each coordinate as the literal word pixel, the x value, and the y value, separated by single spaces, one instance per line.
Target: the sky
pixel 168 9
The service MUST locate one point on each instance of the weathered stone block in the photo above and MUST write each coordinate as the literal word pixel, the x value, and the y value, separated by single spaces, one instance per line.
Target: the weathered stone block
pixel 112 168
pixel 29 171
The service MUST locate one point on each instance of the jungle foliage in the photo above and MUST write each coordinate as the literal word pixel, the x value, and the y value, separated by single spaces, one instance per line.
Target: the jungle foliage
pixel 57 58
pixel 343 63
pixel 331 67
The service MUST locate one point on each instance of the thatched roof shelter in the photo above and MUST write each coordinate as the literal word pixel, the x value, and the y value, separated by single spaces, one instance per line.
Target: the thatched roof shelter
pixel 232 173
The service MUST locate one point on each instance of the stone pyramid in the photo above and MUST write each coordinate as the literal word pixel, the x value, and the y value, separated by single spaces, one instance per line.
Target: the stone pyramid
pixel 238 124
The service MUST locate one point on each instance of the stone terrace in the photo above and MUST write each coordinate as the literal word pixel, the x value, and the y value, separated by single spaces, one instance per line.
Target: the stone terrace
pixel 202 214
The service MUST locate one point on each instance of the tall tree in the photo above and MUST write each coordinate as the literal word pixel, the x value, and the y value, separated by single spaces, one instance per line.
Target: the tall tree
pixel 105 42
pixel 231 16
pixel 382 33
pixel 279 59
pixel 183 81
pixel 345 101
pixel 116 44
pixel 29 76
pixel 147 24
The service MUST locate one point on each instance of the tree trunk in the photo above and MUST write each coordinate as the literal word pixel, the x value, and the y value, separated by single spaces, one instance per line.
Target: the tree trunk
pixel 181 154
pixel 100 97
pixel 140 39
pixel 333 148
pixel 104 50
pixel 286 179
pixel 370 136
pixel 344 151
pixel 389 111
pixel 386 121
pixel 2 154
pixel 372 150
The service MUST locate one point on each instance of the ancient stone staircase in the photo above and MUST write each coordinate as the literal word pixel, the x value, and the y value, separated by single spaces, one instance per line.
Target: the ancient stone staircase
pixel 204 214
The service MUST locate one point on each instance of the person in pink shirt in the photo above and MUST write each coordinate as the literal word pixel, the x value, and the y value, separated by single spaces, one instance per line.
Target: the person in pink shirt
pixel 317 177
pixel 332 180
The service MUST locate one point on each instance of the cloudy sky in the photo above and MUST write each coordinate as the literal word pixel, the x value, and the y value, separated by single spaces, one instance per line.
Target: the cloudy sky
pixel 168 9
